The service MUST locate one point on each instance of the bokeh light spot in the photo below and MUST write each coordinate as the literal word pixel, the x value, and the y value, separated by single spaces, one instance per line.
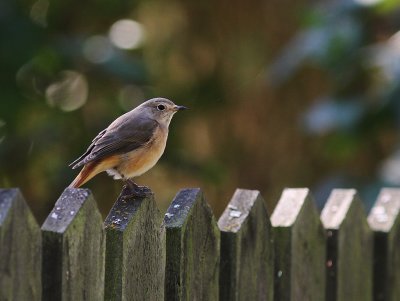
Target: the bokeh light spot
pixel 31 80
pixel 97 49
pixel 386 58
pixel 390 169
pixel 38 12
pixel 69 92
pixel 394 41
pixel 127 34
pixel 328 115
pixel 367 2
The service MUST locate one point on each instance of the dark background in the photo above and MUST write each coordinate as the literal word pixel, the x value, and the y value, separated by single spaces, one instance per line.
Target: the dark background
pixel 282 94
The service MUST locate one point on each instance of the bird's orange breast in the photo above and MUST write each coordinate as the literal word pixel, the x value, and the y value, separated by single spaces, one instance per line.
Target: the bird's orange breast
pixel 139 161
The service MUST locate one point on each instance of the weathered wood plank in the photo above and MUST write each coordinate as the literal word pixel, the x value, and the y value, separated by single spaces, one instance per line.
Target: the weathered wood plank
pixel 299 248
pixel 193 248
pixel 20 249
pixel 385 222
pixel 73 249
pixel 135 252
pixel 349 247
pixel 247 263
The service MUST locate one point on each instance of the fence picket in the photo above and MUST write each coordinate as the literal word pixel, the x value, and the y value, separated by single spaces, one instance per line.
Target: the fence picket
pixel 135 251
pixel 193 246
pixel 349 247
pixel 299 248
pixel 385 222
pixel 247 263
pixel 20 249
pixel 138 254
pixel 73 249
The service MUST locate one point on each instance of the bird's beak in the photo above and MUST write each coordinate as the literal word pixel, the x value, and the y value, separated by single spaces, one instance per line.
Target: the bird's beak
pixel 180 108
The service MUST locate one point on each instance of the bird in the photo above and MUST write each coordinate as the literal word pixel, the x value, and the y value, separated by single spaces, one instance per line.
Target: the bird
pixel 130 146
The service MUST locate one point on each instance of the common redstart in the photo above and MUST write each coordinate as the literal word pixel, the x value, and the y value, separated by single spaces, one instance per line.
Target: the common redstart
pixel 130 145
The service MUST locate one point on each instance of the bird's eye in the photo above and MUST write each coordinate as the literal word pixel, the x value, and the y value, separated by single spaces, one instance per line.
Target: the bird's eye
pixel 161 107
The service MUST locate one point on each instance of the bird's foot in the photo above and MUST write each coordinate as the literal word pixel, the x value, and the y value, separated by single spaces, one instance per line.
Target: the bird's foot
pixel 130 191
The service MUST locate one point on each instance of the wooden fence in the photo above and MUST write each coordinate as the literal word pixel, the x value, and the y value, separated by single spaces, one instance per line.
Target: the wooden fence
pixel 137 254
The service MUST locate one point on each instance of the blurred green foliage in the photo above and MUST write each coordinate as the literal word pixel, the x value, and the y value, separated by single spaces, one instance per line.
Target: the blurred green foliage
pixel 282 94
pixel 356 44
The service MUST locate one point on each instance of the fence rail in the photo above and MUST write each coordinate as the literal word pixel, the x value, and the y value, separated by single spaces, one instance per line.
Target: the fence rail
pixel 295 253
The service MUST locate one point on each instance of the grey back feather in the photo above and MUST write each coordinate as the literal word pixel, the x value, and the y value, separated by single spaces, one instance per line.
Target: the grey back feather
pixel 127 133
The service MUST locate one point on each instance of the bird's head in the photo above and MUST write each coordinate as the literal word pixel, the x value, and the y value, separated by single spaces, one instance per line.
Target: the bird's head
pixel 161 109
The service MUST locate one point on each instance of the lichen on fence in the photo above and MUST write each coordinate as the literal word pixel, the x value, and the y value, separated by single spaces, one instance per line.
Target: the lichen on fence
pixel 137 254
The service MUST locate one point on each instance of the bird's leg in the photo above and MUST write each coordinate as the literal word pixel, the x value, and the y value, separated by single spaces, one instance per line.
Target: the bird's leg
pixel 131 185
pixel 135 187
pixel 131 189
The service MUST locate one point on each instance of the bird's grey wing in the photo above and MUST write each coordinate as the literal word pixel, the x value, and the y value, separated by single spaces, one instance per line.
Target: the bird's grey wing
pixel 124 137
pixel 89 149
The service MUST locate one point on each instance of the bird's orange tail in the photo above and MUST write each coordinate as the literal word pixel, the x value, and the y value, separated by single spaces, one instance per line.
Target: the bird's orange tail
pixel 93 168
pixel 87 172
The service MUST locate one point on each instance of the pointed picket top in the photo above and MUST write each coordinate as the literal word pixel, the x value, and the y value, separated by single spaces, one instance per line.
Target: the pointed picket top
pixel 289 206
pixel 385 212
pixel 193 248
pixel 349 247
pixel 238 209
pixel 337 207
pixel 135 250
pixel 247 263
pixel 73 248
pixel 124 210
pixel 385 222
pixel 299 248
pixel 181 206
pixel 65 210
pixel 20 249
